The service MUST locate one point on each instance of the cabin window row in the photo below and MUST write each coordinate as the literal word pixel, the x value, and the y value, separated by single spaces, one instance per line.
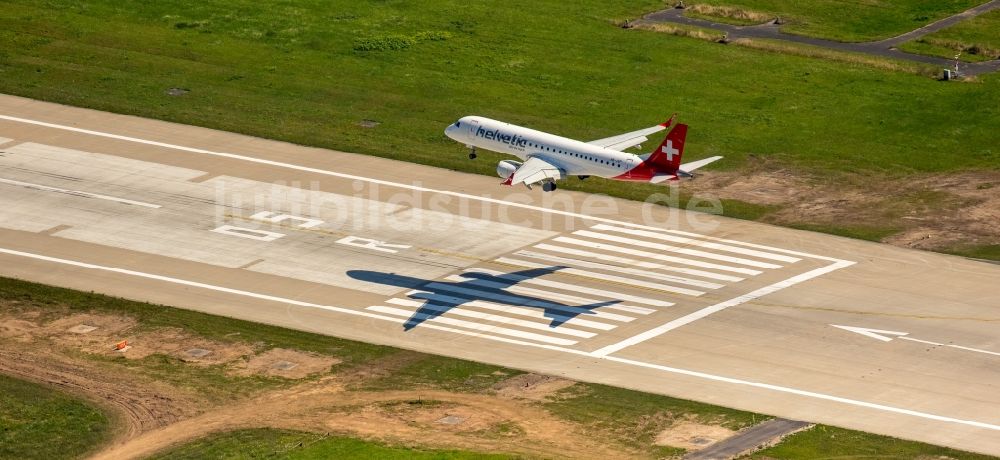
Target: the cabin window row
pixel 585 157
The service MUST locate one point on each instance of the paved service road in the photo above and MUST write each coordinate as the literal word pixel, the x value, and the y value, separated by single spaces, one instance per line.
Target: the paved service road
pixel 597 289
pixel 884 48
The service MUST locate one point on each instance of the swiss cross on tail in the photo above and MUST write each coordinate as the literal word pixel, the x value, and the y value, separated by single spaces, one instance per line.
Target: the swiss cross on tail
pixel 667 158
pixel 670 150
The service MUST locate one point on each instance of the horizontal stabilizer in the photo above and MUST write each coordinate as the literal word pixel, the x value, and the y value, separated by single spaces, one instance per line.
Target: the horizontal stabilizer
pixel 688 167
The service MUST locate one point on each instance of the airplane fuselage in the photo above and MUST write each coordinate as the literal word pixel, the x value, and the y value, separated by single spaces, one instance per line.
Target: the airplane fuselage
pixel 576 158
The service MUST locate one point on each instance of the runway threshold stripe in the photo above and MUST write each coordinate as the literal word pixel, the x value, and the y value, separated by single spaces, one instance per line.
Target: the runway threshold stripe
pixel 655 256
pixel 79 193
pixel 520 311
pixel 751 245
pixel 450 310
pixel 675 249
pixel 637 263
pixel 576 288
pixel 605 277
pixel 549 295
pixel 614 268
pixel 692 317
pixel 696 242
pixel 405 314
pixel 516 300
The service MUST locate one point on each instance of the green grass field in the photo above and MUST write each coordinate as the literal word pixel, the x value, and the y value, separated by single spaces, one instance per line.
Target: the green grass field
pixel 848 20
pixel 312 71
pixel 825 442
pixel 297 445
pixel 978 39
pixel 39 422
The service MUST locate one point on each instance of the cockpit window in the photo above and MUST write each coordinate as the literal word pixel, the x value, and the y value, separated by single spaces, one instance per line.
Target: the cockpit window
pixel 458 124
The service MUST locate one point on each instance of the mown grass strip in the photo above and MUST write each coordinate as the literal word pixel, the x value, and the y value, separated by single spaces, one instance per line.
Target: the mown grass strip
pixel 38 422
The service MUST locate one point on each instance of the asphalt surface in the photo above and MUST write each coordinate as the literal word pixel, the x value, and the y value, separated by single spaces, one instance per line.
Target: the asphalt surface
pixel 686 304
pixel 882 48
pixel 756 437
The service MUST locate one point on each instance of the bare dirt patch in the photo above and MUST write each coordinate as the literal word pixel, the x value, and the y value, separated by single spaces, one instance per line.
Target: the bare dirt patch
pixel 740 14
pixel 177 343
pixel 691 435
pixel 763 187
pixel 141 404
pixel 534 387
pixel 975 223
pixel 446 415
pixel 107 330
pixel 932 212
pixel 157 414
pixel 20 330
pixel 398 416
pixel 281 362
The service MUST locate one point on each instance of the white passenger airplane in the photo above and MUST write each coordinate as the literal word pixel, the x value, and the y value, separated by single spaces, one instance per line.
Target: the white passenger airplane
pixel 548 158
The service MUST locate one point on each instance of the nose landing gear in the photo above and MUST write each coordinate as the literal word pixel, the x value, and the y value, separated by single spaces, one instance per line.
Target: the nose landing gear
pixel 472 153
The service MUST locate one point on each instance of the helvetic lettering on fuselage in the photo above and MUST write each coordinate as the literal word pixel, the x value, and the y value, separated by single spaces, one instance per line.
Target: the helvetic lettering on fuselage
pixel 548 158
pixel 496 135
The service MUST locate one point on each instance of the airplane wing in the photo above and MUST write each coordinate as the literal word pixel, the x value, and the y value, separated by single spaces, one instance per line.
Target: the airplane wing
pixel 632 139
pixel 536 170
pixel 688 167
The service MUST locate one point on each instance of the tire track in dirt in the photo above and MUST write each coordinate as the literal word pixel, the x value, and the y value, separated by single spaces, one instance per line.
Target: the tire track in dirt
pixel 325 406
pixel 140 405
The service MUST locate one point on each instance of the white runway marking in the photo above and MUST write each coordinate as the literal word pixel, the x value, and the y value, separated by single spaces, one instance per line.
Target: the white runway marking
pixel 470 325
pixel 695 242
pixel 510 299
pixel 687 319
pixel 78 193
pixel 575 288
pixel 752 245
pixel 615 268
pixel 520 311
pixel 549 295
pixel 675 249
pixel 888 336
pixel 605 277
pixel 667 369
pixel 655 256
pixel 500 319
pixel 636 263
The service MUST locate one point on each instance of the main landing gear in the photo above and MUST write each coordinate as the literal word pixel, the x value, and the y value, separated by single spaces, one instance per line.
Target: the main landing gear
pixel 548 186
pixel 472 153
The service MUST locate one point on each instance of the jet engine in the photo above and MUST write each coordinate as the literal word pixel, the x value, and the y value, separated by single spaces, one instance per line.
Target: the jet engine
pixel 506 167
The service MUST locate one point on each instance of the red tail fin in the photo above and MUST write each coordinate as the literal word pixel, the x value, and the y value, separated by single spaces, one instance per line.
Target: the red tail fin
pixel 667 158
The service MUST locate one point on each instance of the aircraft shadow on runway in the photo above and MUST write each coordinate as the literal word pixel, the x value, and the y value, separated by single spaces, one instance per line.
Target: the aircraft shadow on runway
pixel 440 296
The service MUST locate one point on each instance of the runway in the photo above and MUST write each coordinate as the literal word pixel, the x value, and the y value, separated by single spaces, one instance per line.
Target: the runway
pixel 686 304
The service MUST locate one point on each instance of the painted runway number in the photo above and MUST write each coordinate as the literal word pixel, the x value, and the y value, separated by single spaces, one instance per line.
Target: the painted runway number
pixel 304 222
pixel 264 235
pixel 369 243
pixel 273 217
pixel 253 234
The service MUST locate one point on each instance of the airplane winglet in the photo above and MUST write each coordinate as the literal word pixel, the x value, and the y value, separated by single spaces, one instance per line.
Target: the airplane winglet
pixel 509 180
pixel 669 122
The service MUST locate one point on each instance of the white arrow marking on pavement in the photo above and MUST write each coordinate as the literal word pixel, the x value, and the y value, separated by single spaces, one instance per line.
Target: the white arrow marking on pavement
pixel 873 333
pixel 879 334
